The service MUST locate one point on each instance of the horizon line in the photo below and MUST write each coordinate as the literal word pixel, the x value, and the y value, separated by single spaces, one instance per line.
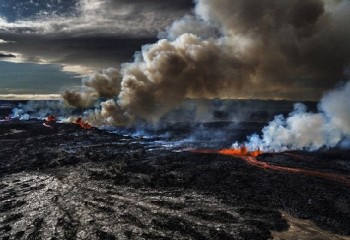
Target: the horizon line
pixel 19 97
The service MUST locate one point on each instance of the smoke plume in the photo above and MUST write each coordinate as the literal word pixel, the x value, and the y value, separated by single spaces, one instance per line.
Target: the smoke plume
pixel 303 130
pixel 266 49
pixel 104 84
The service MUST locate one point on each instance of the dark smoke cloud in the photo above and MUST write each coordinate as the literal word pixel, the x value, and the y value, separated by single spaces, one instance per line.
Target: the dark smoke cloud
pixel 288 39
pixel 79 99
pixel 110 114
pixel 170 71
pixel 240 49
pixel 104 84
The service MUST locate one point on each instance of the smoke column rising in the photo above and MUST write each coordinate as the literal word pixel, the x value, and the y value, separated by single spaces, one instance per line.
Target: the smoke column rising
pixel 303 130
pixel 100 84
pixel 265 49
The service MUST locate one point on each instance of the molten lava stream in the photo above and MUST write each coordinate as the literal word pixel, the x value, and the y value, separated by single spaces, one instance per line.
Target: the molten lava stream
pixel 250 158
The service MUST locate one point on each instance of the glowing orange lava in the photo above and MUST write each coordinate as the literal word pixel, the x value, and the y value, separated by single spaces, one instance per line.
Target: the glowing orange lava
pixel 240 151
pixel 250 158
pixel 83 124
pixel 50 119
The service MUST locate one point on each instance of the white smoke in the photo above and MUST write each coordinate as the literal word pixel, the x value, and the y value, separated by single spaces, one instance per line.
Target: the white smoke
pixel 303 130
pixel 40 110
pixel 106 114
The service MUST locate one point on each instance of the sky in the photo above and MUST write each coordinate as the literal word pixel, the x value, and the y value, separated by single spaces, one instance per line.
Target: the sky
pixel 46 45
pixel 174 49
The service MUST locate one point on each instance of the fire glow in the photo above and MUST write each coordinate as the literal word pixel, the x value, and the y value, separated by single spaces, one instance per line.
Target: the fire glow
pixel 82 124
pixel 48 121
pixel 250 158
pixel 240 151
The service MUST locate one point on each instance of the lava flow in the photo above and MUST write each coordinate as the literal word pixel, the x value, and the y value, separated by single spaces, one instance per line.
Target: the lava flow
pixel 50 118
pixel 83 124
pixel 48 121
pixel 240 151
pixel 250 158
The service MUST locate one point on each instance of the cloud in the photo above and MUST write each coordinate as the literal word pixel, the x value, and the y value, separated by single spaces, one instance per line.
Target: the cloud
pixel 14 10
pixel 5 55
pixel 104 16
pixel 2 41
pixel 30 97
pixel 92 34
pixel 80 54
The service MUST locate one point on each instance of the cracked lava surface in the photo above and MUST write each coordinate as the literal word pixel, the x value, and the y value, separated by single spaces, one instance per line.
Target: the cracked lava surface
pixel 71 183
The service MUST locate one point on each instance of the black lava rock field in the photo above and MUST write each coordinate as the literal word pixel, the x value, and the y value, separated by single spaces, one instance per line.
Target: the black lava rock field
pixel 66 182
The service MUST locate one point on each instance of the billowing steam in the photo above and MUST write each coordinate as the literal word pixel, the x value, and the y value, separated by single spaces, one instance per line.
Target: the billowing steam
pixel 230 49
pixel 40 110
pixel 303 130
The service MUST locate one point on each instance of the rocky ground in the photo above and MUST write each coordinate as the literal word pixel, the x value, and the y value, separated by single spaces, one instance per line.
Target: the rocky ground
pixel 70 183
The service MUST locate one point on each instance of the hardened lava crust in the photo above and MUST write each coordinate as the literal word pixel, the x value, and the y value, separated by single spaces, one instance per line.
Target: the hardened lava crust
pixel 65 182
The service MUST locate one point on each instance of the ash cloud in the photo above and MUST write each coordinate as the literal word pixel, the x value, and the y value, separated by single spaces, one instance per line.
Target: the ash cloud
pixel 104 84
pixel 296 43
pixel 240 49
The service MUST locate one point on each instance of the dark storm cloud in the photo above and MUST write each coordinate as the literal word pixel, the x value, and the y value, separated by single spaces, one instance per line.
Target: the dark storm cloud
pixel 162 5
pixel 89 51
pixel 89 33
pixel 5 55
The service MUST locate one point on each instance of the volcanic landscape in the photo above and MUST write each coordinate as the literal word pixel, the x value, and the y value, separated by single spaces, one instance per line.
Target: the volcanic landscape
pixel 64 181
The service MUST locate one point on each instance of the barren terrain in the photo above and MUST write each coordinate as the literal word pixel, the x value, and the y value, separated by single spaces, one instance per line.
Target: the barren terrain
pixel 66 182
